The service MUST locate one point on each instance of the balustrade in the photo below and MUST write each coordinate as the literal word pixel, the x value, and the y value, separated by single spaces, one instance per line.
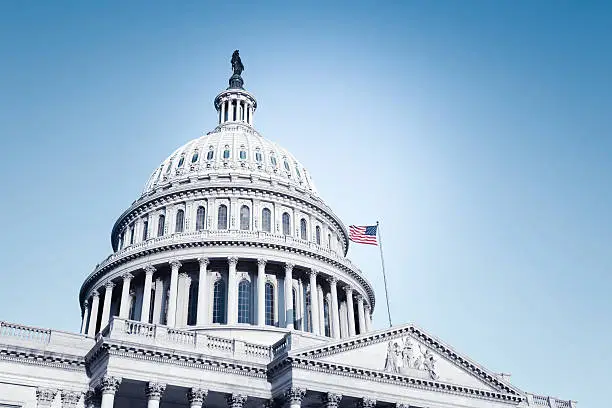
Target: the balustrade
pixel 25 333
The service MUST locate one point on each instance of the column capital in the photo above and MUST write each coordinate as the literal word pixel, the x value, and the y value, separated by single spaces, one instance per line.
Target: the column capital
pixel 366 402
pixel 95 294
pixel 70 399
pixel 402 405
pixel 232 260
pixel 175 263
pixel 289 266
pixel 331 400
pixel 294 395
pixel 86 303
pixel 332 280
pixel 359 298
pixel 367 307
pixel 150 269
pixel 262 262
pixel 197 396
pixel 109 285
pixel 92 398
pixel 236 400
pixel 203 261
pixel 314 272
pixel 183 275
pixel 348 289
pixel 110 384
pixel 45 396
pixel 154 390
pixel 127 276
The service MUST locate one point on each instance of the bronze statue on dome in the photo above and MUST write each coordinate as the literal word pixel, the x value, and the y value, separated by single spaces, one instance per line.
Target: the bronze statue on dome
pixel 237 66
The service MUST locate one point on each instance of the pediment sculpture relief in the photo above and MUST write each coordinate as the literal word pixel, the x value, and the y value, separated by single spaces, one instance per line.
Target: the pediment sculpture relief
pixel 403 357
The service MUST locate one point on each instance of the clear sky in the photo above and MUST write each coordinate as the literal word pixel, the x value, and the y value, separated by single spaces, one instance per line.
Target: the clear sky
pixel 478 133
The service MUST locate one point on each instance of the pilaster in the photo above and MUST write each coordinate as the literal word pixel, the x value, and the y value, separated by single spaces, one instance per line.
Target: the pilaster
pixel 289 295
pixel 45 396
pixel 70 399
pixel 236 400
pixel 201 318
pixel 332 400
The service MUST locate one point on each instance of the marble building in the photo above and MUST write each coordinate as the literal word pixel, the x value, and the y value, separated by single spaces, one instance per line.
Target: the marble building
pixel 228 286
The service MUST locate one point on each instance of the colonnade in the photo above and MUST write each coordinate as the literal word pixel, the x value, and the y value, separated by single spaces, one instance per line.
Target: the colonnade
pixel 325 316
pixel 104 397
pixel 236 110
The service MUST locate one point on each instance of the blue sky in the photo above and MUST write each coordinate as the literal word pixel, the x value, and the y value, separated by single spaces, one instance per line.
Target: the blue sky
pixel 477 133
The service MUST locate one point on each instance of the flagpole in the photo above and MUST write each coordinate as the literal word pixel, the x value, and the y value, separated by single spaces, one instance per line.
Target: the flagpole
pixel 382 260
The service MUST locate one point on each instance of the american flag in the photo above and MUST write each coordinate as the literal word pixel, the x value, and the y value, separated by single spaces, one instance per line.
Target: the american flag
pixel 364 234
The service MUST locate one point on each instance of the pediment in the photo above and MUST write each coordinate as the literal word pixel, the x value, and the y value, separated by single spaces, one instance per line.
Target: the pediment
pixel 408 351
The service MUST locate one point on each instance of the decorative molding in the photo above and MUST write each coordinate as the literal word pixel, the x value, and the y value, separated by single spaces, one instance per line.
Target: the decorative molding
pixel 45 396
pixel 42 358
pixel 236 400
pixel 154 390
pixel 197 396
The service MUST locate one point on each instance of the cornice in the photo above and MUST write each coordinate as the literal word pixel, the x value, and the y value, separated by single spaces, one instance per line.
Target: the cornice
pixel 160 355
pixel 98 273
pixel 42 358
pixel 294 362
pixel 182 191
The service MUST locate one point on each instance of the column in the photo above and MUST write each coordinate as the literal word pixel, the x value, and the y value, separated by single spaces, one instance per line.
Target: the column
pixel 294 397
pixel 289 295
pixel 85 316
pixel 299 305
pixel 154 393
pixel 261 292
pixel 232 287
pixel 350 309
pixel 202 292
pixel 186 300
pixel 45 396
pixel 93 320
pixel 157 302
pixel 222 112
pixel 196 397
pixel 180 299
pixel 321 299
pixel 335 318
pixel 146 294
pixel 230 110
pixel 124 308
pixel 361 312
pixel 314 302
pixel 236 400
pixel 332 400
pixel 108 293
pixel 109 386
pixel 70 399
pixel 175 265
pixel 368 318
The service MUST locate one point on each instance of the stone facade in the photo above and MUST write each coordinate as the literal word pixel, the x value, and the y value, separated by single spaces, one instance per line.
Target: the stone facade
pixel 229 286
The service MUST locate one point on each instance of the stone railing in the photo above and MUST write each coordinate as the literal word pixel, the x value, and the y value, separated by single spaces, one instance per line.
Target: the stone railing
pixel 158 335
pixel 230 236
pixel 550 402
pixel 25 333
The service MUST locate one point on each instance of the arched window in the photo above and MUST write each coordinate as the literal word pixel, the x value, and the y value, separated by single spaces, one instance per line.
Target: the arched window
pixel 145 230
pixel 219 302
pixel 222 218
pixel 226 153
pixel 287 166
pixel 245 217
pixel 326 318
pixel 258 156
pixel 195 157
pixel 131 234
pixel 273 160
pixel 181 161
pixel 210 155
pixel 286 224
pixel 244 301
pixel 243 155
pixel 297 171
pixel 200 219
pixel 266 220
pixel 318 235
pixel 329 241
pixel 161 225
pixel 303 234
pixel 269 304
pixel 295 322
pixel 180 221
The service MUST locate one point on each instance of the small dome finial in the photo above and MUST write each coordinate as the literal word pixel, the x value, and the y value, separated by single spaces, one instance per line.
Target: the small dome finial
pixel 235 81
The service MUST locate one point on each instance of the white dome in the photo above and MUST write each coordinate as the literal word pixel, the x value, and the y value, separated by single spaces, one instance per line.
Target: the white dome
pixel 231 149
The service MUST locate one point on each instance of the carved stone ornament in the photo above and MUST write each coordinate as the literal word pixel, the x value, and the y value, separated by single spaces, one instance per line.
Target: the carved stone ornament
pixel 403 357
pixel 366 403
pixel 289 266
pixel 295 395
pixel 109 285
pixel 93 398
pixel 175 264
pixel 402 405
pixel 197 396
pixel 45 396
pixel 262 262
pixel 110 384
pixel 331 400
pixel 127 276
pixel 154 390
pixel 203 261
pixel 313 272
pixel 95 294
pixel 70 399
pixel 150 269
pixel 236 400
pixel 232 261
